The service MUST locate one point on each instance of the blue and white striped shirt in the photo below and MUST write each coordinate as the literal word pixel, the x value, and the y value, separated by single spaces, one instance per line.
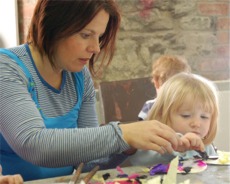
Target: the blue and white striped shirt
pixel 23 128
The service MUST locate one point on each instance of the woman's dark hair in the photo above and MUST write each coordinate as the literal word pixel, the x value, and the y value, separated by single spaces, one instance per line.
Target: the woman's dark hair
pixel 57 19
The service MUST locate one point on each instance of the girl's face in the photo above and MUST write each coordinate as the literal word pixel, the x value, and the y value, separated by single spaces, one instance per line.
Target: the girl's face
pixel 190 117
pixel 75 51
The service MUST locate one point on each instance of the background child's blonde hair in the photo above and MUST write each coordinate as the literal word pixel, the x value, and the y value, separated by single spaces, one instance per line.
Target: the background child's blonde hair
pixel 173 93
pixel 168 65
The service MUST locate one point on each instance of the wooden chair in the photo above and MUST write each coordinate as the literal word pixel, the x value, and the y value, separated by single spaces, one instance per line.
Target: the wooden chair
pixel 123 100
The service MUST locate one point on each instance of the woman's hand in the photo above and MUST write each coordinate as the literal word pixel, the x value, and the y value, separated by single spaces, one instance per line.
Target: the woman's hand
pixel 191 141
pixel 150 135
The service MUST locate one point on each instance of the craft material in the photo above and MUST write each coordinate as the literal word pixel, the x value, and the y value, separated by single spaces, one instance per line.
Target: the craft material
pixel 76 174
pixel 223 159
pixel 183 167
pixel 204 155
pixel 191 166
pixel 159 169
pixel 88 177
pixel 106 176
pixel 121 173
pixel 171 177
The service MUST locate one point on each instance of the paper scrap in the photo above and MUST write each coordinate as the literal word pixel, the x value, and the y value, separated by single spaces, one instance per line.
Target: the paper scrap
pixel 171 176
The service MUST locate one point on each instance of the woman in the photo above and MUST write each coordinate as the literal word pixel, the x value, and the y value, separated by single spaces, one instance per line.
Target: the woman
pixel 48 117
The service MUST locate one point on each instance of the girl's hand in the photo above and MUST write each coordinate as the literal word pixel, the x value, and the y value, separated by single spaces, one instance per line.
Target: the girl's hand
pixel 191 141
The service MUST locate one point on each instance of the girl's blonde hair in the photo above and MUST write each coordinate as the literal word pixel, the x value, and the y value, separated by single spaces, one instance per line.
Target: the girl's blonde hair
pixel 173 93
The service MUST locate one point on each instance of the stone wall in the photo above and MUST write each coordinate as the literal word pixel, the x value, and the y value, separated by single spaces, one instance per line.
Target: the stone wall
pixel 197 29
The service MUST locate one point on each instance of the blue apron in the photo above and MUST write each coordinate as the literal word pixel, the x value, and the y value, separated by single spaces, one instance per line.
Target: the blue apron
pixel 11 162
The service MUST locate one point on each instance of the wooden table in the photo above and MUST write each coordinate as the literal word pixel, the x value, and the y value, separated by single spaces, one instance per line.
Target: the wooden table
pixel 214 174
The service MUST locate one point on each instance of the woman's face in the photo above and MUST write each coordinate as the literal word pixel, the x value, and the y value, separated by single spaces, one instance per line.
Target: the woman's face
pixel 191 118
pixel 74 52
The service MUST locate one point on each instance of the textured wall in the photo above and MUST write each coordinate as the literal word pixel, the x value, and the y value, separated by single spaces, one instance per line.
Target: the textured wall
pixel 197 29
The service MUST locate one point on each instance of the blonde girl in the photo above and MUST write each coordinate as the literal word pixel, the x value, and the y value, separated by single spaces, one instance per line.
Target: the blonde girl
pixel 187 103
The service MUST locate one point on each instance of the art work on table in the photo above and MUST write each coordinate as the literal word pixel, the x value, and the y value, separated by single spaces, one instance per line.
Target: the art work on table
pixel 191 166
pixel 223 159
pixel 183 167
pixel 160 173
pixel 170 174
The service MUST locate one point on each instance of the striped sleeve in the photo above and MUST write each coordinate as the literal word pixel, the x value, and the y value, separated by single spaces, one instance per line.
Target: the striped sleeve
pixel 87 114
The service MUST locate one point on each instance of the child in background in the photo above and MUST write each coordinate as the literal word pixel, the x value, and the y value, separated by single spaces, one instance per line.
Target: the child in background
pixel 162 69
pixel 187 103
